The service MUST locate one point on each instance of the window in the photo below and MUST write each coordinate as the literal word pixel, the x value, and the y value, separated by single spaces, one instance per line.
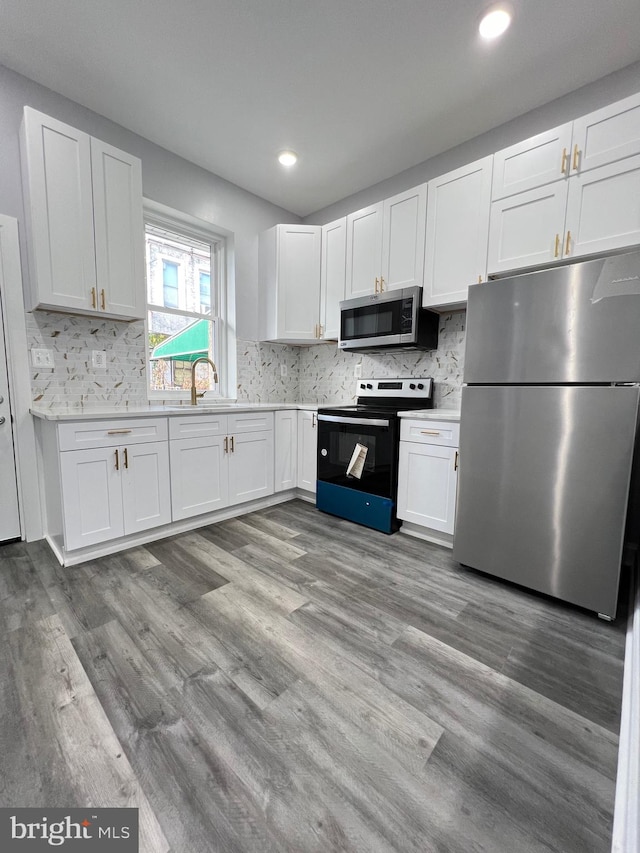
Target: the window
pixel 170 284
pixel 187 303
pixel 205 292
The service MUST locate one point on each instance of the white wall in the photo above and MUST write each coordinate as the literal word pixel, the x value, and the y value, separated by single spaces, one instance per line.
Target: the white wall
pixel 578 103
pixel 166 178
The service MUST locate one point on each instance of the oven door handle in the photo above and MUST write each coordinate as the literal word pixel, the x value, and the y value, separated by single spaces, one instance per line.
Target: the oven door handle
pixel 334 419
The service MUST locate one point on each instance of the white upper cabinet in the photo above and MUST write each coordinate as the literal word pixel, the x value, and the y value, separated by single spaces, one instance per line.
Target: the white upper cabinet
pixel 119 230
pixel 290 283
pixel 606 135
pixel 458 209
pixel 603 210
pixel 403 236
pixel 364 251
pixel 593 205
pixel 83 203
pixel 532 163
pixel 332 277
pixel 385 244
pixel 527 229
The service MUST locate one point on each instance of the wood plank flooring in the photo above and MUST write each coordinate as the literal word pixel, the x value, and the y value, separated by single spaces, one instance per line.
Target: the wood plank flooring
pixel 288 681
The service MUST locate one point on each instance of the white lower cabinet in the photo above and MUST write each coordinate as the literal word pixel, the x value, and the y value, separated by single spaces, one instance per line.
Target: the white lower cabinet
pixel 307 450
pixel 219 461
pixel 286 450
pixel 427 474
pixel 112 490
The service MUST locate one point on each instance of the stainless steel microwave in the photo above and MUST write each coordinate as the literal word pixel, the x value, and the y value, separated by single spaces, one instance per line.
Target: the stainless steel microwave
pixel 385 321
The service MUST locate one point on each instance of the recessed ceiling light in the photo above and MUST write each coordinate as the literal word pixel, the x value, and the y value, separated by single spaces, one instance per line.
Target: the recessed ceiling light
pixel 287 158
pixel 495 21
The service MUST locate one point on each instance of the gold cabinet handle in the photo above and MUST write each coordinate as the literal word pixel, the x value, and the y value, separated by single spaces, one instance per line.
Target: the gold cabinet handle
pixel 576 157
pixel 233 445
pixel 119 431
pixel 313 420
pixel 429 432
pixel 376 290
pixel 226 444
pixel 381 284
pixel 93 297
pixel 117 460
pixel 556 251
pixel 567 247
pixel 103 301
pixel 455 464
pixel 563 165
pixel 479 279
pixel 320 330
pixel 126 458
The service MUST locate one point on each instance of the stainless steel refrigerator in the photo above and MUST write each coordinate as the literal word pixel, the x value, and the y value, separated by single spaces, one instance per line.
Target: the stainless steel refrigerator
pixel 548 428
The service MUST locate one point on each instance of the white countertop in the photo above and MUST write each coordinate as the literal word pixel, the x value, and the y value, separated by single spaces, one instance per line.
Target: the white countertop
pixel 111 412
pixel 452 415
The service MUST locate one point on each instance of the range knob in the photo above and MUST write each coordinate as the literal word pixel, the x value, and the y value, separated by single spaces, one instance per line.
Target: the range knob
pixel 420 386
pixel 369 385
pixel 362 385
pixel 412 385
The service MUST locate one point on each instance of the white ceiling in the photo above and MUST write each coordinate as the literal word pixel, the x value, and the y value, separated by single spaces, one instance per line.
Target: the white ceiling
pixel 361 89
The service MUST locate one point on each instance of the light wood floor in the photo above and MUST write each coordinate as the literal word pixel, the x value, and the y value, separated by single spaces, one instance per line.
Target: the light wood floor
pixel 289 681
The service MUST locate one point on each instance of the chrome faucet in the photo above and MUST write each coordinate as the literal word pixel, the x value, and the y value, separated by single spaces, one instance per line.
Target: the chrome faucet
pixel 194 393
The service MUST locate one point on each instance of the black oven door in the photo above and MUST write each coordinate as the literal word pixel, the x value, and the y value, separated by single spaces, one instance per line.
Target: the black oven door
pixel 359 452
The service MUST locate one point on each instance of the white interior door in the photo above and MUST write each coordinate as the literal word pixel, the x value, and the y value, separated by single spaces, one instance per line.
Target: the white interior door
pixel 9 517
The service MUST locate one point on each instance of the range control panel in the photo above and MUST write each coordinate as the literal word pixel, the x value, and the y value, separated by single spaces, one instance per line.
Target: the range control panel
pixel 412 388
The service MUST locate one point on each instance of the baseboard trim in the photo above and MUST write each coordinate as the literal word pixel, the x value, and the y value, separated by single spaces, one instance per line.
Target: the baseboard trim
pixel 73 558
pixel 626 819
pixel 426 533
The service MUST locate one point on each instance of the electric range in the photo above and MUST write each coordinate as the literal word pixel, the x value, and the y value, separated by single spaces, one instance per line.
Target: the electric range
pixel 358 449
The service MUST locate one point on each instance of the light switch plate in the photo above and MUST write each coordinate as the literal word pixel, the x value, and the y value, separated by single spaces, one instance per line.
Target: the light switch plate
pixel 41 358
pixel 283 371
pixel 98 358
pixel 357 371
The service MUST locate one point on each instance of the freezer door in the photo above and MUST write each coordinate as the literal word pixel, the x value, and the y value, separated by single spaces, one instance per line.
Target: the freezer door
pixel 577 323
pixel 543 486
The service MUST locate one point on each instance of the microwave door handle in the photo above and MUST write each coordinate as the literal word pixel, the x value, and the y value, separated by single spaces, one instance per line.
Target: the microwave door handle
pixel 334 419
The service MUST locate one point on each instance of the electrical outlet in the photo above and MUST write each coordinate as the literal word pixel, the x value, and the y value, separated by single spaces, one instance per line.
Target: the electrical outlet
pixel 283 371
pixel 357 371
pixel 41 358
pixel 98 358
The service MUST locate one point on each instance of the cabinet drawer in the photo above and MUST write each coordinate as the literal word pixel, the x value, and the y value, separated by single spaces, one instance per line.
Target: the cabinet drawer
pixel 430 432
pixel 86 434
pixel 196 426
pixel 250 422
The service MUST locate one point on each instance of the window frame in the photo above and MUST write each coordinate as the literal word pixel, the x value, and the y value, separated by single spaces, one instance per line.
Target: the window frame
pixel 222 295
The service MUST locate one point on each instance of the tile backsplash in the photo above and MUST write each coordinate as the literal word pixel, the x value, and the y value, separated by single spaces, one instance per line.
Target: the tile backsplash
pixel 327 375
pixel 312 374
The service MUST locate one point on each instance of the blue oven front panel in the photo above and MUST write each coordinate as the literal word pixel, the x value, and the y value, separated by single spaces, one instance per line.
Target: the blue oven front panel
pixel 363 508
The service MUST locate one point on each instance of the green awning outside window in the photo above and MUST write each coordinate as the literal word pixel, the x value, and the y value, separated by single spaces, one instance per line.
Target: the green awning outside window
pixel 187 345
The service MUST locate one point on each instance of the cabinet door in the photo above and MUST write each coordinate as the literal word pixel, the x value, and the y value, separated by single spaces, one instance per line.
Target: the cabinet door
pixel 298 282
pixel 458 211
pixel 333 271
pixel 606 135
pixel 307 450
pixel 146 490
pixel 364 250
pixel 119 234
pixel 58 200
pixel 199 475
pixel 527 229
pixel 403 235
pixel 603 210
pixel 532 163
pixel 286 452
pixel 91 496
pixel 250 466
pixel 427 485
